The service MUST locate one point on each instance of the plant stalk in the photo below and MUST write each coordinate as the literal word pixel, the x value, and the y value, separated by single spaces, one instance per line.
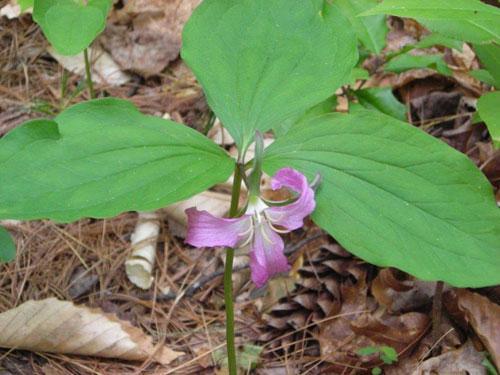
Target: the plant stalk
pixel 437 307
pixel 228 277
pixel 88 74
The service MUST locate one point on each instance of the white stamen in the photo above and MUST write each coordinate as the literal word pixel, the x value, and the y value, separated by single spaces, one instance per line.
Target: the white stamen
pixel 270 222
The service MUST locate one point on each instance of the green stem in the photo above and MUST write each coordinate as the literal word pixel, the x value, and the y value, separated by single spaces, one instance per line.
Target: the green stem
pixel 88 74
pixel 228 277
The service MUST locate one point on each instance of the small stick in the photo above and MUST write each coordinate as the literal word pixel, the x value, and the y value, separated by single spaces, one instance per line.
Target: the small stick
pixel 88 74
pixel 207 278
pixel 437 313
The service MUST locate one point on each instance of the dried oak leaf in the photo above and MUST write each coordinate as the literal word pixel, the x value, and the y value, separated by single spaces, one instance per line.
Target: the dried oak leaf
pixel 359 324
pixel 463 361
pixel 482 315
pixel 399 292
pixel 152 39
pixel 55 326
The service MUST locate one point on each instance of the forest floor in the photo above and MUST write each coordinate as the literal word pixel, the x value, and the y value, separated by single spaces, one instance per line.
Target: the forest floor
pixel 313 321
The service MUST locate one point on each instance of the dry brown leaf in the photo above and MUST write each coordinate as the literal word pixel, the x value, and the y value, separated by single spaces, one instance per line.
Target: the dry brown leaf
pixel 360 325
pixel 154 37
pixel 463 361
pixel 215 203
pixel 10 10
pixel 399 292
pixel 104 69
pixel 58 326
pixel 140 263
pixel 484 317
pixel 220 135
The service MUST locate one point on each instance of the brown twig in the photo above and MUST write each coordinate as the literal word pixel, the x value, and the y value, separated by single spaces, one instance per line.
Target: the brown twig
pixel 195 287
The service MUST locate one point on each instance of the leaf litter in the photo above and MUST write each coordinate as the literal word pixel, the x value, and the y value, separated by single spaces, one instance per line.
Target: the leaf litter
pixel 315 319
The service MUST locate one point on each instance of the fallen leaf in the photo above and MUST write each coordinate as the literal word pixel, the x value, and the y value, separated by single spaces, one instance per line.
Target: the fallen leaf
pixel 140 263
pixel 399 292
pixel 104 69
pixel 220 135
pixel 483 316
pixel 465 360
pixel 360 324
pixel 10 11
pixel 148 34
pixel 215 203
pixel 55 326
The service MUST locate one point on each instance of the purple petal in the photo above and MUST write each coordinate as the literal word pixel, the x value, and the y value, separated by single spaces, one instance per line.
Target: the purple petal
pixel 266 257
pixel 292 215
pixel 206 230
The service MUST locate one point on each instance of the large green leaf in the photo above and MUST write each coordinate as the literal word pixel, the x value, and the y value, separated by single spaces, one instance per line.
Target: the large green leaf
pixel 489 55
pixel 371 30
pixel 383 100
pixel 100 158
pixel 488 106
pixel 326 106
pixel 7 246
pixel 262 62
pixel 406 62
pixel 395 196
pixel 469 20
pixel 71 25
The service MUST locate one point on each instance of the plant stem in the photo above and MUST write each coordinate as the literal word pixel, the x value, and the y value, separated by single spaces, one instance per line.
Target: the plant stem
pixel 437 305
pixel 88 74
pixel 228 277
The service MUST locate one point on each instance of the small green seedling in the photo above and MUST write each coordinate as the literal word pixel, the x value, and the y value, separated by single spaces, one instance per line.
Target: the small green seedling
pixel 387 354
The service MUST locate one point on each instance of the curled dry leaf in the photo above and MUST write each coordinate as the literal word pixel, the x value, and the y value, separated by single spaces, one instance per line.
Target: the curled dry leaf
pixel 465 360
pixel 58 326
pixel 104 69
pixel 10 10
pixel 220 135
pixel 215 203
pixel 139 265
pixel 482 315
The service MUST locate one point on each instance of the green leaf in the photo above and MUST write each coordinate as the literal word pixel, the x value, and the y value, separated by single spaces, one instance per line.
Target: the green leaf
pixel 25 4
pixel 469 20
pixel 489 55
pixel 262 62
pixel 436 39
pixel 358 73
pixel 7 246
pixel 247 357
pixel 406 62
pixel 368 350
pixel 69 25
pixel 100 158
pixel 397 197
pixel 372 30
pixel 484 76
pixel 489 366
pixel 326 106
pixel 488 107
pixel 376 371
pixel 388 354
pixel 383 100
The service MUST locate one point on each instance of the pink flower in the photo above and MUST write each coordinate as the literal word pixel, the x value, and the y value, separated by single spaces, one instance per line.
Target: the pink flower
pixel 259 227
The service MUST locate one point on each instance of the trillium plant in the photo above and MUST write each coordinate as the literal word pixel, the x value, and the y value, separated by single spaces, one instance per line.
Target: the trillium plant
pixel 387 191
pixel 259 227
